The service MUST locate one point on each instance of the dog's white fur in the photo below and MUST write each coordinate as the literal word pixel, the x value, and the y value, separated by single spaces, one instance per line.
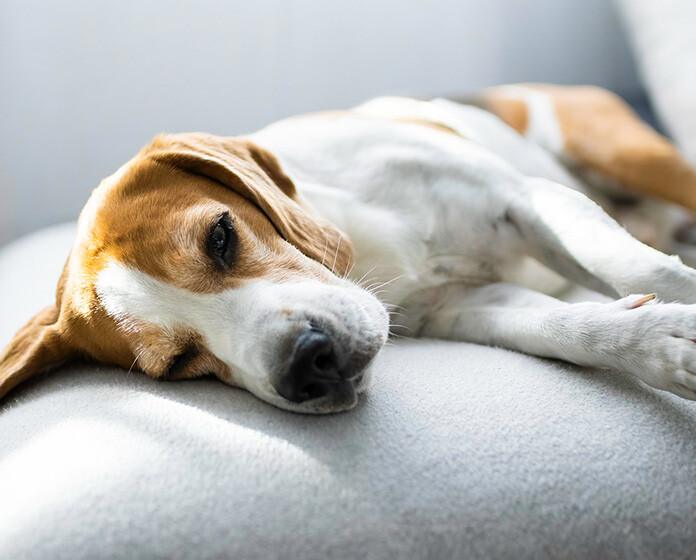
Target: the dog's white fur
pixel 448 226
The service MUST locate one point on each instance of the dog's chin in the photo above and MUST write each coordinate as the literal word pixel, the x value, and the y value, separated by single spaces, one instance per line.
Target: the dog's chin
pixel 342 397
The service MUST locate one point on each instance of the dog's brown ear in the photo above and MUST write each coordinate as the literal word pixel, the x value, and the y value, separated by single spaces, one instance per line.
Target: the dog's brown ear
pixel 256 174
pixel 37 347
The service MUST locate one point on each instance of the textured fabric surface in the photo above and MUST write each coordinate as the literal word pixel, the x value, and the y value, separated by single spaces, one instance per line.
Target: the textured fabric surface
pixel 662 33
pixel 457 451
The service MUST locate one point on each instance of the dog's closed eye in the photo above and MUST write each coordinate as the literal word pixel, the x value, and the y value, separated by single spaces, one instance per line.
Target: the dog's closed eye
pixel 180 365
pixel 221 244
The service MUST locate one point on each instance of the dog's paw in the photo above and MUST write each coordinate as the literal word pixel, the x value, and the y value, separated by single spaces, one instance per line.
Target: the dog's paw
pixel 654 341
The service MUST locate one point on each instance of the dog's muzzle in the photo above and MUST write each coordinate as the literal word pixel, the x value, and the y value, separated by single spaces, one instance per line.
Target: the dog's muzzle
pixel 319 367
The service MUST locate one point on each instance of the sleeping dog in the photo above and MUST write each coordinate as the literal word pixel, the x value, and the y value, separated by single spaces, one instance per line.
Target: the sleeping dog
pixel 273 261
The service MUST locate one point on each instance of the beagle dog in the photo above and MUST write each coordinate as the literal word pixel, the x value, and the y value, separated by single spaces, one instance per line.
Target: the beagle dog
pixel 274 261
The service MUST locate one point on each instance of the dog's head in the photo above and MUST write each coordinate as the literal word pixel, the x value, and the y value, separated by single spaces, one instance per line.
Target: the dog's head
pixel 199 257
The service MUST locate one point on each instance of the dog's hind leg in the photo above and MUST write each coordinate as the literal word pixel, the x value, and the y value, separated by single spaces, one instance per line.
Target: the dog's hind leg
pixel 570 234
pixel 652 341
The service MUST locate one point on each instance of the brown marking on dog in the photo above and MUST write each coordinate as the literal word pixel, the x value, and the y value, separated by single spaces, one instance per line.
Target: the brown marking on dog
pixel 602 133
pixel 511 111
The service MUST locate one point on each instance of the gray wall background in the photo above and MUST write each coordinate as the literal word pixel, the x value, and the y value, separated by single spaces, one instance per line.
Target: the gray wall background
pixel 86 83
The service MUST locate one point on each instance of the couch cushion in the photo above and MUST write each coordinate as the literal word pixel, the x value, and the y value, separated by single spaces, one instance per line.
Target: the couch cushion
pixel 457 451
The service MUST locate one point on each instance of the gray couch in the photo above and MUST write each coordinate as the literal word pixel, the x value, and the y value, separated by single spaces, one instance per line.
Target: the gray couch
pixel 456 451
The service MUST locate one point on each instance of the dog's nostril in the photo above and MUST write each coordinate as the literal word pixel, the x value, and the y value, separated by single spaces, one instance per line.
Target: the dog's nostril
pixel 325 362
pixel 314 356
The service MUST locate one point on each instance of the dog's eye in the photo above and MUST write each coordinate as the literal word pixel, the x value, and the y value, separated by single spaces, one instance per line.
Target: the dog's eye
pixel 222 241
pixel 219 239
pixel 180 365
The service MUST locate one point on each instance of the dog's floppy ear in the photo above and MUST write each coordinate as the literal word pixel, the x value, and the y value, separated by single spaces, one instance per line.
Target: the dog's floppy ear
pixel 255 173
pixel 37 347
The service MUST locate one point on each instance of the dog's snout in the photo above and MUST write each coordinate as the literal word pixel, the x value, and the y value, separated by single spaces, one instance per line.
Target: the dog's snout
pixel 313 369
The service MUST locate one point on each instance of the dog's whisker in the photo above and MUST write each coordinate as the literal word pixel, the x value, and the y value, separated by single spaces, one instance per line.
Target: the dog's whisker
pixel 397 336
pixel 359 282
pixel 401 327
pixel 326 248
pixel 373 286
pixel 376 292
pixel 135 360
pixel 348 272
pixel 390 281
pixel 338 246
pixel 397 313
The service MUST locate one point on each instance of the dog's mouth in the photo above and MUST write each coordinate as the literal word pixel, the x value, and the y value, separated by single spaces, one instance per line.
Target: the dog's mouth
pixel 340 397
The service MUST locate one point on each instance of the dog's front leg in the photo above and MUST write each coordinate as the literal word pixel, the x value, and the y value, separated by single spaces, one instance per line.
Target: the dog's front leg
pixel 572 235
pixel 652 341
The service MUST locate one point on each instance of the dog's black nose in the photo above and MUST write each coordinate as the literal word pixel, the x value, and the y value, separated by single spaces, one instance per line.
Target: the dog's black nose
pixel 313 369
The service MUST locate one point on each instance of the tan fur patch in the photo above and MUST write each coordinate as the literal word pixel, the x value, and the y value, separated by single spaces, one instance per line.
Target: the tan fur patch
pixel 602 133
pixel 512 112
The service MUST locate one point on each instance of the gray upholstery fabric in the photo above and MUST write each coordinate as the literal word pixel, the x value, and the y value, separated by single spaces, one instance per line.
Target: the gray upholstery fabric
pixel 457 451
